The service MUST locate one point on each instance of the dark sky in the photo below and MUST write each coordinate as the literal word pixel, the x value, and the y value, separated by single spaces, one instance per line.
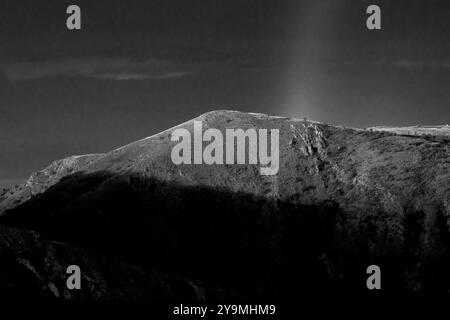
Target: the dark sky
pixel 139 67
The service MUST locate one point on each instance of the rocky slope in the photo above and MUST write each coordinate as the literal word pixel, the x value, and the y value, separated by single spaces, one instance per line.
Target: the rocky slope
pixel 343 199
pixel 42 180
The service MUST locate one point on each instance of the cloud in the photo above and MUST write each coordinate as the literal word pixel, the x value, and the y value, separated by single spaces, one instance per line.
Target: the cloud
pixel 120 69
pixel 139 76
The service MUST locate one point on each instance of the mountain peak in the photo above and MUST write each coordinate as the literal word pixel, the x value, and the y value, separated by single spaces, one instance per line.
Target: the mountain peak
pixel 308 150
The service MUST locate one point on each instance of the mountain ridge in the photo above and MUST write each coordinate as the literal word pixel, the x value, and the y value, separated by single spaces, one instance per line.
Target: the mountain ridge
pixel 150 155
pixel 343 199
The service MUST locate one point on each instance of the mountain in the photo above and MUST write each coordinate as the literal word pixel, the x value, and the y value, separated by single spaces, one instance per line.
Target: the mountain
pixel 343 199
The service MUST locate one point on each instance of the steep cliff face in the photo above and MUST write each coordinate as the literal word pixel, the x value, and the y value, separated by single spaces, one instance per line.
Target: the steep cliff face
pixel 342 199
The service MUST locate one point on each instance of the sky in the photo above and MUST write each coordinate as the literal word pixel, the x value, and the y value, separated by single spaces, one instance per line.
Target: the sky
pixel 138 67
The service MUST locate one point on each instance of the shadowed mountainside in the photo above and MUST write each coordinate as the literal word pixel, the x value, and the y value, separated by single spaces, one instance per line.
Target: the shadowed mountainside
pixel 233 241
pixel 35 269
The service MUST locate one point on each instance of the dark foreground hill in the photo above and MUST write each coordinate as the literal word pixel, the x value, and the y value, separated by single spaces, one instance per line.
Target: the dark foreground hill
pixel 343 199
